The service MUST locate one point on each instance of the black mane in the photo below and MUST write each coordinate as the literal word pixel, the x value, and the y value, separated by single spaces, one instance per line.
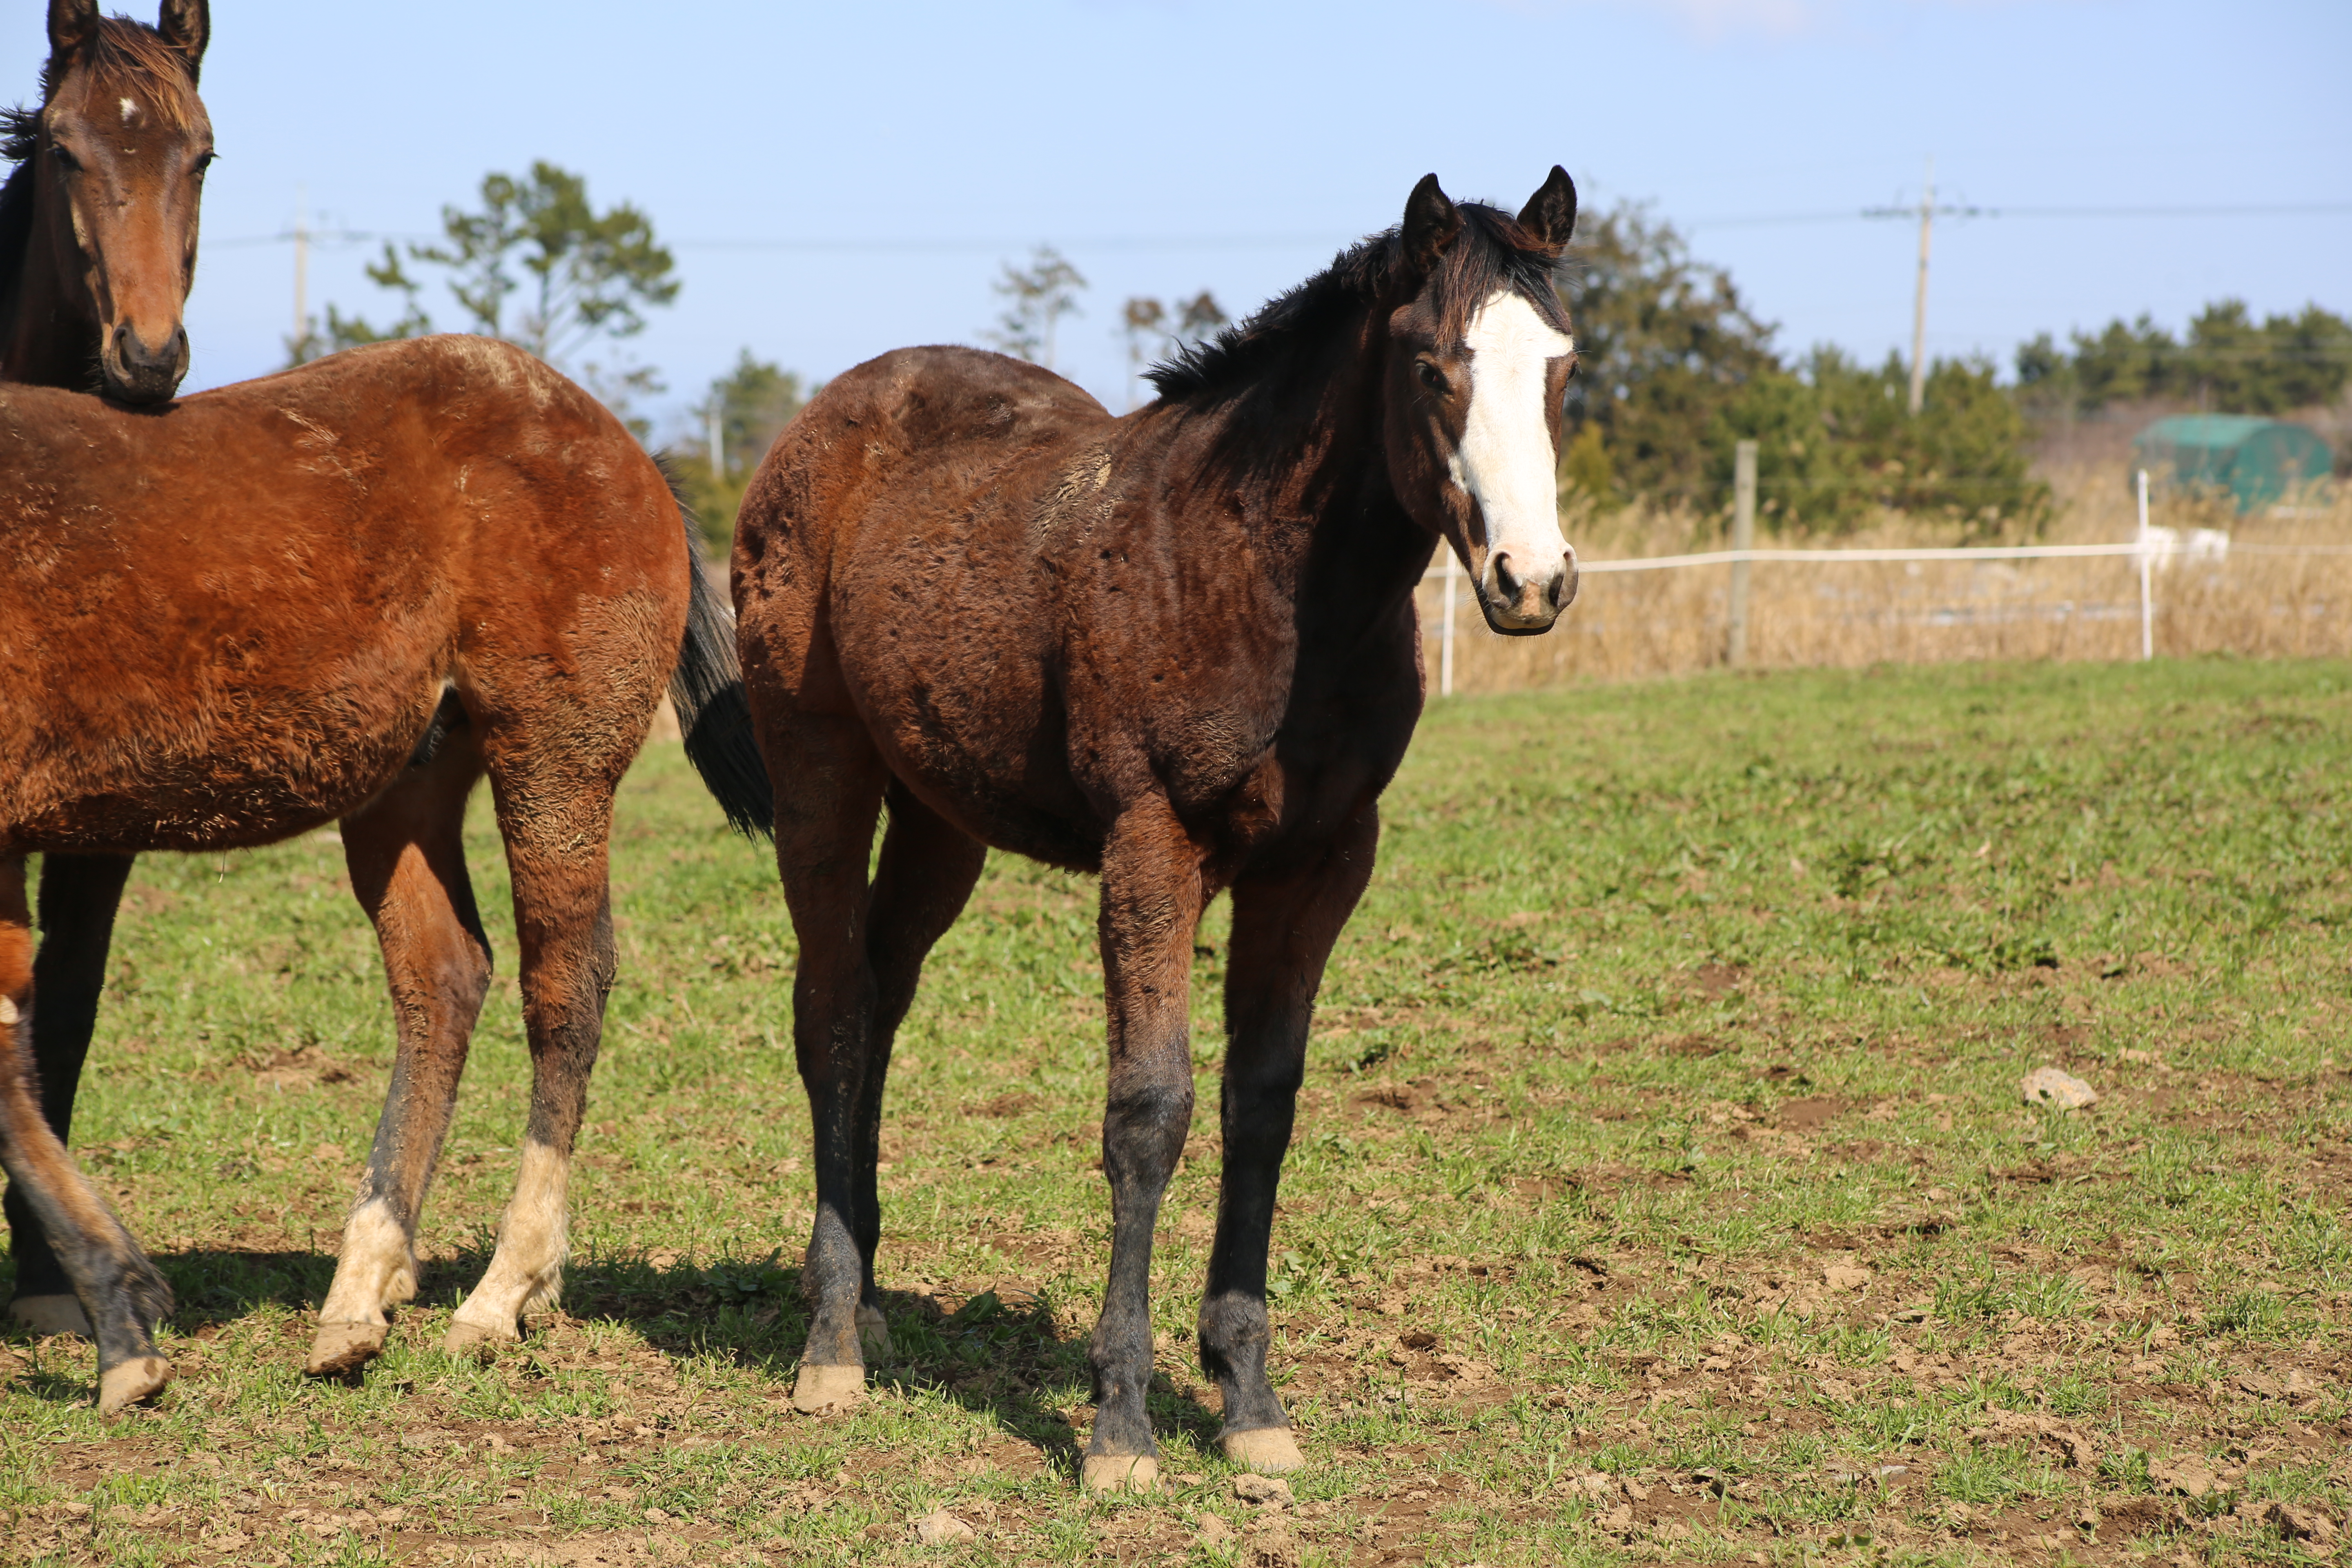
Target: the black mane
pixel 20 129
pixel 1491 252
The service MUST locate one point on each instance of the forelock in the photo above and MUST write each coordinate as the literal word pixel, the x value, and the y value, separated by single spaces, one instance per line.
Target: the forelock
pixel 1492 253
pixel 125 57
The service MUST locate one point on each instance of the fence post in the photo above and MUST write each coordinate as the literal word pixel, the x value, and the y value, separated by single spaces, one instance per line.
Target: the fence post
pixel 1445 641
pixel 1743 538
pixel 2147 594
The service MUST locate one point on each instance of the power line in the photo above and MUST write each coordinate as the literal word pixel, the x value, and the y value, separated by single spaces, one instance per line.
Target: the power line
pixel 951 245
pixel 883 244
pixel 2243 209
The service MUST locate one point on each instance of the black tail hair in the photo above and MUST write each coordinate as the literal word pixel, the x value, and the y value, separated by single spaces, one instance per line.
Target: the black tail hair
pixel 713 713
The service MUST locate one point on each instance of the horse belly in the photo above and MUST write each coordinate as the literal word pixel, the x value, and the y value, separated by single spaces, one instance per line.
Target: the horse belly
pixel 978 734
pixel 244 762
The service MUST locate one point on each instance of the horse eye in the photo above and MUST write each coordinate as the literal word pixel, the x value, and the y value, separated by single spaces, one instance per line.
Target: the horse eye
pixel 1431 376
pixel 65 159
pixel 204 162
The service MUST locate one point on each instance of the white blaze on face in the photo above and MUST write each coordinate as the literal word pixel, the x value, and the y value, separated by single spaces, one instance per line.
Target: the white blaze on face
pixel 1505 462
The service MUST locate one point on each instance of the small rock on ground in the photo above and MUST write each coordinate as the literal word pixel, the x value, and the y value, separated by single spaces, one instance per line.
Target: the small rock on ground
pixel 2063 1090
pixel 1214 1531
pixel 1251 1486
pixel 942 1528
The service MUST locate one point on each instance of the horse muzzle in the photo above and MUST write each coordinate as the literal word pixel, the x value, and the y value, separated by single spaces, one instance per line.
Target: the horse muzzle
pixel 1521 600
pixel 137 371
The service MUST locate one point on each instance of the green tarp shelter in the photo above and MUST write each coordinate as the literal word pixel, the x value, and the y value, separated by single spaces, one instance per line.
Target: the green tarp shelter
pixel 2257 460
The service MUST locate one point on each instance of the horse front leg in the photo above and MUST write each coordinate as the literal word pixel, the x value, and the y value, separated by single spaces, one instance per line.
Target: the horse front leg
pixel 1284 927
pixel 1152 893
pixel 79 896
pixel 118 1289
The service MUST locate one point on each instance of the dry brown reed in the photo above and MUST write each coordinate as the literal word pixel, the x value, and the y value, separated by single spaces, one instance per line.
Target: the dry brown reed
pixel 1626 626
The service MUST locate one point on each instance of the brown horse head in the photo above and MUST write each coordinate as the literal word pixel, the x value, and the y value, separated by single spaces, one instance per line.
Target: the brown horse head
pixel 1478 360
pixel 98 226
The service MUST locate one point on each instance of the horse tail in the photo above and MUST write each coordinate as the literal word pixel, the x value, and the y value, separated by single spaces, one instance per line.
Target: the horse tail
pixel 713 713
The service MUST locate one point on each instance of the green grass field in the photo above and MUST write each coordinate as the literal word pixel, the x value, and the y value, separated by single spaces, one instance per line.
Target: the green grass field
pixel 1663 1190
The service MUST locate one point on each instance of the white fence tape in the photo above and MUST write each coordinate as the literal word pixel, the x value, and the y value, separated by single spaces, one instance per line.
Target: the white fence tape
pixel 2155 550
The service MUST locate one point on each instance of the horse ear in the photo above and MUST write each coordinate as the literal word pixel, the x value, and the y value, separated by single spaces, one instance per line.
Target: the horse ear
pixel 1430 223
pixel 71 21
pixel 1549 215
pixel 187 27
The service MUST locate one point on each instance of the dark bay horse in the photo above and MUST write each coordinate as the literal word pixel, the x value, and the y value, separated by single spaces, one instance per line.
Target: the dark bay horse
pixel 1179 649
pixel 346 593
pixel 98 223
pixel 98 247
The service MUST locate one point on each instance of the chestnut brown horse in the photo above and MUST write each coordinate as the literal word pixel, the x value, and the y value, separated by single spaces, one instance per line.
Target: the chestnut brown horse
pixel 347 592
pixel 98 244
pixel 1177 648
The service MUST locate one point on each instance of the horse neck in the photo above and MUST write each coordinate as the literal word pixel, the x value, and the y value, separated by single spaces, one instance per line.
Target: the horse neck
pixel 47 338
pixel 1332 531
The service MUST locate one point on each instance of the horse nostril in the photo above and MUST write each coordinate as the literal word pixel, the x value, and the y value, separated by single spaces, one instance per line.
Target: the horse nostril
pixel 1507 582
pixel 1563 587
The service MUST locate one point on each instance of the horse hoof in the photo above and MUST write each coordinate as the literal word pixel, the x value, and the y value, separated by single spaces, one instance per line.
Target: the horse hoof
pixel 121 1387
pixel 342 1349
pixel 1107 1473
pixel 51 1314
pixel 873 1334
pixel 1270 1450
pixel 821 1389
pixel 465 1339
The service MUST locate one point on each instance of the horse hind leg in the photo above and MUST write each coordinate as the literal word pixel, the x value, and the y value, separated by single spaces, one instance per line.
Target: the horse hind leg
pixel 79 896
pixel 116 1286
pixel 557 827
pixel 925 875
pixel 829 787
pixel 406 856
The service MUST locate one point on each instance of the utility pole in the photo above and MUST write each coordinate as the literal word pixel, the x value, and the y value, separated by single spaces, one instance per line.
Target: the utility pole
pixel 1920 299
pixel 301 268
pixel 1926 213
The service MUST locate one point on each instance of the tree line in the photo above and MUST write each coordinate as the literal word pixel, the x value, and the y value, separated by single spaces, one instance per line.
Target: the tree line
pixel 1674 366
pixel 2228 362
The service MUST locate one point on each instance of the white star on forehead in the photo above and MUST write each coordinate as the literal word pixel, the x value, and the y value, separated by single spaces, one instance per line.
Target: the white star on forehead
pixel 130 110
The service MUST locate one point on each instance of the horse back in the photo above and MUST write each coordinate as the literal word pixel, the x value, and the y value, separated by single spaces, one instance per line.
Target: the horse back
pixel 232 618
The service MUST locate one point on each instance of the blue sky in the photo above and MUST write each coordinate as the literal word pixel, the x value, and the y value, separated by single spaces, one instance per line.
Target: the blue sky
pixel 906 150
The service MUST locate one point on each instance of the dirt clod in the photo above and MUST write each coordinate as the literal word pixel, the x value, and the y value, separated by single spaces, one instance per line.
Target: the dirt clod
pixel 941 1529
